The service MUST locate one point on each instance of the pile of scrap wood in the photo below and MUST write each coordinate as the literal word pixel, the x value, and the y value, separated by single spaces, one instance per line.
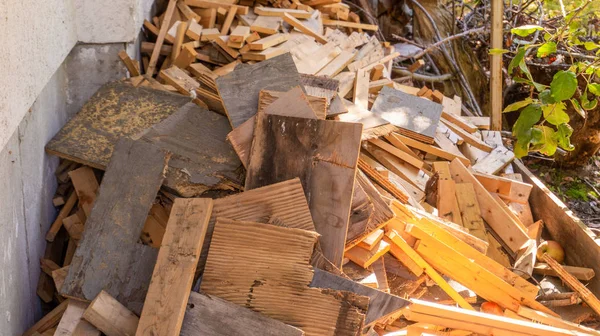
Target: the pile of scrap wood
pixel 305 194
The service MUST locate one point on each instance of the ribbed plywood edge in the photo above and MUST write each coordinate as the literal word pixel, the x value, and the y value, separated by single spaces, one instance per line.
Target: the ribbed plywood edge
pixel 317 312
pixel 282 204
pixel 244 253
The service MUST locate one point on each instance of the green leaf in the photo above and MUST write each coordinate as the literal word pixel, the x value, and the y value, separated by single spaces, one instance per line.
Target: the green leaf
pixel 548 142
pixel 563 137
pixel 546 97
pixel 578 108
pixel 588 104
pixel 519 57
pixel 518 105
pixel 528 117
pixel 594 88
pixel 590 45
pixel 564 84
pixel 526 30
pixel 555 113
pixel 496 51
pixel 546 49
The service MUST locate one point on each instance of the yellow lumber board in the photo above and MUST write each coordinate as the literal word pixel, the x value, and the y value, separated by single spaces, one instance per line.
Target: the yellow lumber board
pixel 348 24
pixel 396 138
pixel 292 21
pixel 364 257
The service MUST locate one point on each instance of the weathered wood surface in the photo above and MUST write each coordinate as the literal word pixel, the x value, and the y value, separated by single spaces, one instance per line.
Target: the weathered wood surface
pixel 323 154
pixel 414 116
pixel 360 213
pixel 210 315
pixel 109 256
pixel 563 226
pixel 282 204
pixel 165 303
pixel 201 159
pixel 381 304
pixel 239 89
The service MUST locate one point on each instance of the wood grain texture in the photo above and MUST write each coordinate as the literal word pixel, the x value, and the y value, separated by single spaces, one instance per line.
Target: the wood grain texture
pixel 72 323
pixel 239 89
pixel 110 316
pixel 49 321
pixel 416 117
pixel 282 204
pixel 165 303
pixel 109 256
pixel 210 315
pixel 381 304
pixel 86 186
pixel 315 151
pixel 201 159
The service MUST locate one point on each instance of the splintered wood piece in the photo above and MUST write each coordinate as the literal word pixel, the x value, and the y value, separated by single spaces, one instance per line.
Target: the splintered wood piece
pixel 74 226
pixel 161 37
pixel 186 57
pixel 49 321
pixel 382 181
pixel 292 21
pixel 281 204
pixel 378 268
pixel 292 103
pixel 267 25
pixel 129 64
pixel 166 300
pixel 494 162
pixel 432 273
pixel 381 304
pixel 86 187
pixel 210 315
pixel 110 316
pixel 269 41
pixel 365 257
pixel 240 89
pixel 63 213
pixel 501 222
pixel 72 324
pixel 155 31
pixel 469 209
pixel 318 153
pixel 337 64
pixel 129 187
pixel 370 241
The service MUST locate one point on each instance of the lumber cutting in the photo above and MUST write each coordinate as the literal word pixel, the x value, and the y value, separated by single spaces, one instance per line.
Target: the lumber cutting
pixel 110 316
pixel 49 321
pixel 72 322
pixel 292 21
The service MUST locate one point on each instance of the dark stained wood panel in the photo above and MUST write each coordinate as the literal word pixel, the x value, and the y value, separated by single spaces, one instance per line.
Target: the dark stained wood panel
pixel 210 315
pixel 201 157
pixel 109 256
pixel 239 89
pixel 323 154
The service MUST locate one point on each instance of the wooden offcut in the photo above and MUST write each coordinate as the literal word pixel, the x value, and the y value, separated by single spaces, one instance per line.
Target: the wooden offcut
pixel 315 151
pixel 110 316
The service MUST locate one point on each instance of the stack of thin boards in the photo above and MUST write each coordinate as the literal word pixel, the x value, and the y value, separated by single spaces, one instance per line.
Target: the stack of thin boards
pixel 290 190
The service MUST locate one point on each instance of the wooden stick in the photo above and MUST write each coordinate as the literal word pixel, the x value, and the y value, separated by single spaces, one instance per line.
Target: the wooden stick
pixel 49 321
pixel 64 212
pixel 577 286
pixel 129 64
pixel 164 28
pixel 179 36
pixel 292 21
pixel 496 66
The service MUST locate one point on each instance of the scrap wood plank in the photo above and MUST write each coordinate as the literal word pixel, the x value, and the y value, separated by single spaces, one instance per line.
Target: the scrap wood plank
pixel 166 300
pixel 554 321
pixel 469 138
pixel 337 64
pixel 364 257
pixel 446 202
pixel 382 181
pixel 241 10
pixel 373 126
pixel 361 90
pixel 72 322
pixel 482 123
pixel 494 162
pixel 320 86
pixel 410 174
pixel 314 151
pixel 131 182
pixel 472 275
pixel 469 210
pixel 348 24
pixel 381 304
pixel 201 159
pixel 62 214
pixel 240 89
pixel 292 21
pixel 507 189
pixel 417 163
pixel 573 283
pixel 263 55
pixel 281 204
pixel 580 273
pixel 479 258
pixel 291 103
pixel 416 117
pixel 86 186
pixel 399 254
pixel 399 140
pixel 319 59
pixel 361 211
pixel 280 12
pixel 49 320
pixel 266 25
pixel 459 121
pixel 161 36
pixel 210 315
pixel 502 223
pixel 477 322
pixel 110 316
pixel 371 240
pixel 268 41
pixel 432 273
pixel 129 64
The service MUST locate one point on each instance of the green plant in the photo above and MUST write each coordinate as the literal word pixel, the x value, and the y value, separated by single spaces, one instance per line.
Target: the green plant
pixel 543 124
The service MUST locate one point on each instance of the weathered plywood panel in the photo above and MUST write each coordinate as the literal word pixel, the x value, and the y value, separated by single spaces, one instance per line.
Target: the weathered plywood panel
pixel 323 154
pixel 109 256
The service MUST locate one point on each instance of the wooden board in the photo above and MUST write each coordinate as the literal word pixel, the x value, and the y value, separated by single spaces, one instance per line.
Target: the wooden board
pixel 239 89
pixel 315 151
pixel 210 315
pixel 381 304
pixel 86 186
pixel 416 117
pixel 580 273
pixel 166 301
pixel 292 103
pixel 281 204
pixel 469 210
pixel 494 162
pixel 113 229
pixel 72 322
pixel 49 321
pixel 201 159
pixel 110 316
